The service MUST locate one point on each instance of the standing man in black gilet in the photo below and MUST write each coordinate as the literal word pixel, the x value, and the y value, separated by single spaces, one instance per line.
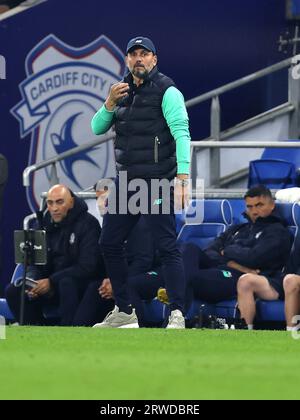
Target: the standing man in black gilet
pixel 152 146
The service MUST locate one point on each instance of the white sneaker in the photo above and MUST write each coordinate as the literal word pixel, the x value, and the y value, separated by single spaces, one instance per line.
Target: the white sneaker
pixel 176 320
pixel 117 319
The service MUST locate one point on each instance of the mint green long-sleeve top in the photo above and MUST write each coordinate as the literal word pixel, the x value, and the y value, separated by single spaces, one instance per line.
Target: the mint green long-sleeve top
pixel 174 111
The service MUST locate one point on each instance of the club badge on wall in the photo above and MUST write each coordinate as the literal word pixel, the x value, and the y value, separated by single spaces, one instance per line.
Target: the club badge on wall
pixel 64 88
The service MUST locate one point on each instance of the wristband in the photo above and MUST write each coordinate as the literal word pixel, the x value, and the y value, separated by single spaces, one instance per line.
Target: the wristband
pixel 182 182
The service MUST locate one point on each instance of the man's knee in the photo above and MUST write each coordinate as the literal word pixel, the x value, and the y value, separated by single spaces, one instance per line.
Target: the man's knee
pixel 11 291
pixel 291 283
pixel 247 283
pixel 66 284
pixel 170 254
pixel 93 287
pixel 136 284
pixel 111 248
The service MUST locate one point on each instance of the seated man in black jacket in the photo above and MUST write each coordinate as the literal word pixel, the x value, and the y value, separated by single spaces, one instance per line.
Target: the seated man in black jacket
pixel 269 256
pixel 74 260
pixel 261 246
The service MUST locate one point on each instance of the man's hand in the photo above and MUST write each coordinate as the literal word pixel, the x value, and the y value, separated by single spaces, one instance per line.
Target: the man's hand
pixel 241 268
pixel 105 290
pixel 181 192
pixel 42 288
pixel 117 92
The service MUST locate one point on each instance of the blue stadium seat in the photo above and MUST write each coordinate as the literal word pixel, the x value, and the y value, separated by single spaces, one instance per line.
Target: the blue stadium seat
pixel 154 312
pixel 5 310
pixel 213 218
pixel 273 173
pixel 18 273
pixel 238 208
pixel 197 306
pixel 180 221
pixel 49 310
pixel 291 214
pixel 270 311
pixel 226 308
pixel 289 155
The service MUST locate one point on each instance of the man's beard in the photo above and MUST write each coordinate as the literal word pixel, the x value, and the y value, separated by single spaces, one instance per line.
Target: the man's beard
pixel 140 74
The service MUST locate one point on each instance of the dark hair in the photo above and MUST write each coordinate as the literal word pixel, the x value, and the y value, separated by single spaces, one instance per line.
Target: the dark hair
pixel 259 191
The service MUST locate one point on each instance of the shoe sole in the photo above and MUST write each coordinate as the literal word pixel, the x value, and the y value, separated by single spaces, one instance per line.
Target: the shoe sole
pixel 122 326
pixel 130 326
pixel 175 328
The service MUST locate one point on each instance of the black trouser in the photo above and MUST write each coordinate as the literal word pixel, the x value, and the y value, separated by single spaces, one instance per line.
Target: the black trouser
pixel 204 282
pixel 92 308
pixel 143 287
pixel 116 228
pixel 66 297
pixel 33 309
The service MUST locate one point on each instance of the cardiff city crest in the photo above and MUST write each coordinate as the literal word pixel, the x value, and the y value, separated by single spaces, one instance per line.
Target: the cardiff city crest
pixel 65 86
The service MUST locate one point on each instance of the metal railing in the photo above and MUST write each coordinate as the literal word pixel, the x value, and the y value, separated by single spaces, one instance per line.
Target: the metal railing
pixel 246 144
pixel 214 143
pixel 53 161
pixel 290 108
pixel 215 93
pixel 218 145
pixel 25 5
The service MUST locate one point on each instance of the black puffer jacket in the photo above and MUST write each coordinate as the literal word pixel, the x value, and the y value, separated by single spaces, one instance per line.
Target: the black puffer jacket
pixel 263 245
pixel 73 246
pixel 144 146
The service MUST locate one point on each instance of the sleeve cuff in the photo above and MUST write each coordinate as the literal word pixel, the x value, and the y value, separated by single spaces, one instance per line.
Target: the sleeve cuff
pixel 183 168
pixel 106 115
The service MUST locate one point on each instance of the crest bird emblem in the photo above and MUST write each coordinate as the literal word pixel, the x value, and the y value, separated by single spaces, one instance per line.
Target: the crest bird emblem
pixel 65 141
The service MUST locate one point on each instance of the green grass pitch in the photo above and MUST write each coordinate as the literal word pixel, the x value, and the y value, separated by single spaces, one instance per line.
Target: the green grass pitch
pixel 86 363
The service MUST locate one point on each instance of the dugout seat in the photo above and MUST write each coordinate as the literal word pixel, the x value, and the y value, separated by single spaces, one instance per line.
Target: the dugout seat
pixel 204 221
pixel 5 310
pixel 289 155
pixel 273 173
pixel 50 311
pixel 238 209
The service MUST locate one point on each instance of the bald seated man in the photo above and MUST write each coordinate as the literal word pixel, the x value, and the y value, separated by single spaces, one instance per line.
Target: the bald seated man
pixel 74 260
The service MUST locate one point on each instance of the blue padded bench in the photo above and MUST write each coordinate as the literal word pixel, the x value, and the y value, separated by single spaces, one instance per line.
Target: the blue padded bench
pixel 49 310
pixel 214 218
pixel 273 173
pixel 5 310
pixel 238 208
pixel 154 311
pixel 270 311
pixel 289 155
